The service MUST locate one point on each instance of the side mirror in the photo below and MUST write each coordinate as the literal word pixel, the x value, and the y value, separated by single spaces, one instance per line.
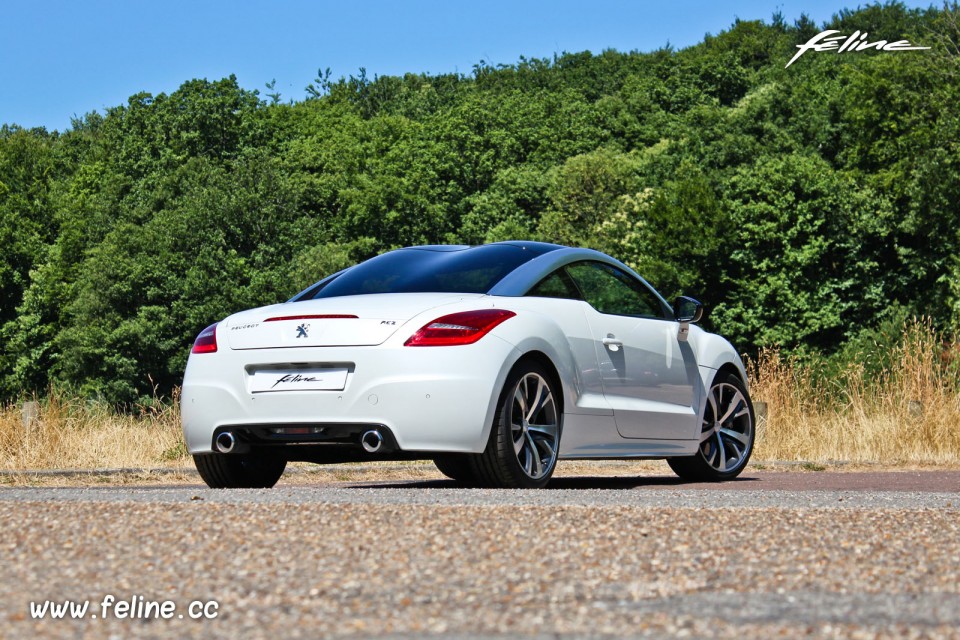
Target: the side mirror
pixel 687 310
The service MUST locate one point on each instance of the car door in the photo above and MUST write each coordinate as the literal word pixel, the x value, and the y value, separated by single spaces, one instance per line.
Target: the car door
pixel 648 374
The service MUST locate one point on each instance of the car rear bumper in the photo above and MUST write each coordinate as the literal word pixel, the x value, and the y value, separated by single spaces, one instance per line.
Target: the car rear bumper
pixel 426 398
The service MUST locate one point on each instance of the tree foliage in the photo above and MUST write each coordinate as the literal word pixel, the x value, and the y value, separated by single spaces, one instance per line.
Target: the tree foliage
pixel 805 206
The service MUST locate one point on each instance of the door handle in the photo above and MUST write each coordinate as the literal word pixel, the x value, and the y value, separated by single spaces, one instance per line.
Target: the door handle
pixel 612 343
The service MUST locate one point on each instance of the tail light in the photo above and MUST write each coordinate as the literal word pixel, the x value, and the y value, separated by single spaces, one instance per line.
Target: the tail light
pixel 458 328
pixel 206 342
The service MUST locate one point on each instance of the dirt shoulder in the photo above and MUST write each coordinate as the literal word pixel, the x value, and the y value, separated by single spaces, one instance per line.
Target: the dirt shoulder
pixel 569 474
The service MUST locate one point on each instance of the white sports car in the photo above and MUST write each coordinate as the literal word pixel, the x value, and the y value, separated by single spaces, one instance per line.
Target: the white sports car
pixel 495 361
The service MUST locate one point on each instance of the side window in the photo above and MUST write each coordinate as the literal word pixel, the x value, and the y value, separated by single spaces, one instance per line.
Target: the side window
pixel 610 290
pixel 556 285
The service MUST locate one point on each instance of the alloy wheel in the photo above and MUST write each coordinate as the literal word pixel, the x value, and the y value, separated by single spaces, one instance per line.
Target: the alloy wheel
pixel 534 425
pixel 727 433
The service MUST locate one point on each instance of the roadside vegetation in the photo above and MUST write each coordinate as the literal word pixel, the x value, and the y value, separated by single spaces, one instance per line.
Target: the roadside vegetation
pixel 66 432
pixel 813 209
pixel 803 205
pixel 894 402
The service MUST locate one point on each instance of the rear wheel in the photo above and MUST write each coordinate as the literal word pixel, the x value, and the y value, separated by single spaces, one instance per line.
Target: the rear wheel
pixel 456 466
pixel 247 471
pixel 525 439
pixel 726 435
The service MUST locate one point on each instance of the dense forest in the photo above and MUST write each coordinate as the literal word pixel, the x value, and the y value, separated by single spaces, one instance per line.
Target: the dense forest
pixel 808 206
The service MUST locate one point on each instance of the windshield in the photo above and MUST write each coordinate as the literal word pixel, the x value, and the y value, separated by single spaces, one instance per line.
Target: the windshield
pixel 428 270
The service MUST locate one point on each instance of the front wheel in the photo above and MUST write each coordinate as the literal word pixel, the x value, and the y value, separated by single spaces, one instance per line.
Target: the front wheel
pixel 726 435
pixel 236 471
pixel 525 439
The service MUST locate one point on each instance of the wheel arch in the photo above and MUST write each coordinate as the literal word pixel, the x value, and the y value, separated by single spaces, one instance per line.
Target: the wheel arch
pixel 715 354
pixel 544 360
pixel 534 349
pixel 732 369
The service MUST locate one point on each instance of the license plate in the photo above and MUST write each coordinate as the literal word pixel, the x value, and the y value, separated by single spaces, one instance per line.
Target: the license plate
pixel 267 380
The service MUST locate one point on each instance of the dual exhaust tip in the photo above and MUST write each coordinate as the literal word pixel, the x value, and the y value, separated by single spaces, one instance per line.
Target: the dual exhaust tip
pixel 225 442
pixel 371 441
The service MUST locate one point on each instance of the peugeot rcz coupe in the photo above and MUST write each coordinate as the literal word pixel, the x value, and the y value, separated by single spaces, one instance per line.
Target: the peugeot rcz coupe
pixel 494 361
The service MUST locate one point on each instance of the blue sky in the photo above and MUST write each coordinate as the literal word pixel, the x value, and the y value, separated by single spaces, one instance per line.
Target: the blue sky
pixel 64 58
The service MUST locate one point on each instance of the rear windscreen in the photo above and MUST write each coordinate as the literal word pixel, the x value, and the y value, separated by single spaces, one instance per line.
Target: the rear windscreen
pixel 468 270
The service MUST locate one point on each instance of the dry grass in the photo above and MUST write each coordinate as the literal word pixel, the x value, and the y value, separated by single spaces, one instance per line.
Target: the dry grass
pixel 907 413
pixel 69 433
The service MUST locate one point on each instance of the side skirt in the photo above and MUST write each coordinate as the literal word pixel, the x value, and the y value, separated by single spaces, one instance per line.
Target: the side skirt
pixel 597 438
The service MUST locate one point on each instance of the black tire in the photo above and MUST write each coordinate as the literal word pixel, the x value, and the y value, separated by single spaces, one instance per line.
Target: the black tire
pixel 723 454
pixel 537 434
pixel 247 471
pixel 456 466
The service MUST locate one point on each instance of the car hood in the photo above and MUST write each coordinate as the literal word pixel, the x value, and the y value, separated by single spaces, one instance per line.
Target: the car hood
pixel 344 321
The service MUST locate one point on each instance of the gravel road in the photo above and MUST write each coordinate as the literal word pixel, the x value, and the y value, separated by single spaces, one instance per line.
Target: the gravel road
pixel 775 555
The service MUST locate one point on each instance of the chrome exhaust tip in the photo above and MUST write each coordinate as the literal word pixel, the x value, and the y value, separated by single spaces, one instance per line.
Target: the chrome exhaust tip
pixel 372 441
pixel 225 442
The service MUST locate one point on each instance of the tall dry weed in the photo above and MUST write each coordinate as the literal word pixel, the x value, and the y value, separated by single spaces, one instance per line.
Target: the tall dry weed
pixel 70 433
pixel 907 411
